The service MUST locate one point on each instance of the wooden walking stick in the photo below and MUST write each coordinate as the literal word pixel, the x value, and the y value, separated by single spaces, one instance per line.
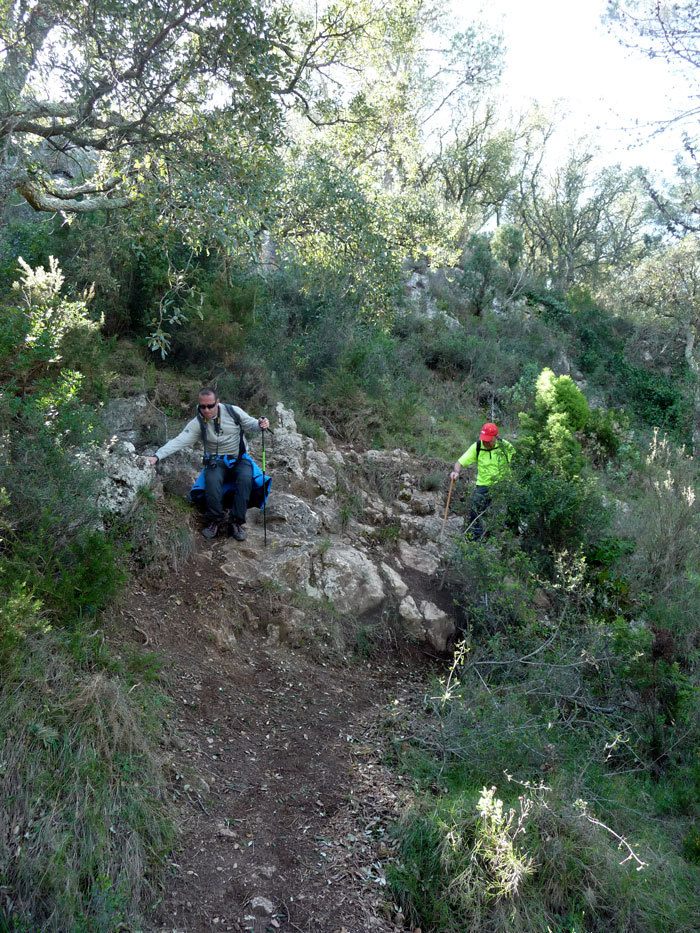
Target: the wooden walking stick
pixel 447 507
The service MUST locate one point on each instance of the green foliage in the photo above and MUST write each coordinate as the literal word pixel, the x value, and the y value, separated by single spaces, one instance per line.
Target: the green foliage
pixel 571 710
pixel 20 616
pixel 663 521
pixel 478 278
pixel 553 513
pixel 474 862
pixel 32 335
pixel 452 352
pixel 507 245
pixel 580 226
pixel 30 240
pixel 460 859
pixel 183 133
pixel 52 554
pixel 339 234
pixel 219 316
pixel 548 436
pixel 493 590
pixel 551 301
pixel 84 829
pixel 691 846
pixel 606 430
pixel 658 399
pixel 559 396
pixel 601 344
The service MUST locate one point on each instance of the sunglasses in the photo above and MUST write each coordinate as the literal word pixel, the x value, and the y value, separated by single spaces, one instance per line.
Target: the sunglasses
pixel 209 406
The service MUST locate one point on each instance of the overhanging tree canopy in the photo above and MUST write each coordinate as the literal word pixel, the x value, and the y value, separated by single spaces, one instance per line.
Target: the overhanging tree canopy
pixel 88 87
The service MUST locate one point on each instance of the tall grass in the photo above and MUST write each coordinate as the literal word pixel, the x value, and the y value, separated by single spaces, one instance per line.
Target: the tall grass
pixel 84 824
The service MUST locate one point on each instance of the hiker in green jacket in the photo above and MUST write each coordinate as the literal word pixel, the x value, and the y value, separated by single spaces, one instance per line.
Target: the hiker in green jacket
pixel 492 457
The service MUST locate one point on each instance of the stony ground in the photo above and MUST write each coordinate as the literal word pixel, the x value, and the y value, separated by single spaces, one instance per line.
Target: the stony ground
pixel 274 761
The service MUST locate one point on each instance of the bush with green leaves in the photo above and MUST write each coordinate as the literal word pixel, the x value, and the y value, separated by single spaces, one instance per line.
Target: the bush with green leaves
pixel 558 395
pixel 492 588
pixel 31 239
pixel 219 313
pixel 605 345
pixel 479 273
pixel 507 245
pixel 85 827
pixel 663 520
pixel 53 550
pixel 570 709
pixel 548 435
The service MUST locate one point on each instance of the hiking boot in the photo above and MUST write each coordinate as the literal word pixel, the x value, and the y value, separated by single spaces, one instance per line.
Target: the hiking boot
pixel 236 531
pixel 211 531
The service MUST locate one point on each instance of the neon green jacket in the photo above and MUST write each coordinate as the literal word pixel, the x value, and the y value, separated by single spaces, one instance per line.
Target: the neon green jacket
pixel 492 465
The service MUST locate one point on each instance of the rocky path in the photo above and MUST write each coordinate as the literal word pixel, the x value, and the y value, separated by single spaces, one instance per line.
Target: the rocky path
pixel 275 767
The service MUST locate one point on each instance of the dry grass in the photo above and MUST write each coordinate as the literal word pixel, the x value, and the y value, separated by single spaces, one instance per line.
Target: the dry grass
pixel 85 820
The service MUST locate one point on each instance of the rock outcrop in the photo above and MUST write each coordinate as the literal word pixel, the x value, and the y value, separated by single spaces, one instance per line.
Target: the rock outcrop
pixel 351 528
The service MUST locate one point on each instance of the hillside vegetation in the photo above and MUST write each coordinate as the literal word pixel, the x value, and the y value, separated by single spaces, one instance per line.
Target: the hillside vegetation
pixel 154 239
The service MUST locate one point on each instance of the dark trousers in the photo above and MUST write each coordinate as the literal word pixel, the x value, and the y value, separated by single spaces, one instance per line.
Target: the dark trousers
pixel 215 475
pixel 480 502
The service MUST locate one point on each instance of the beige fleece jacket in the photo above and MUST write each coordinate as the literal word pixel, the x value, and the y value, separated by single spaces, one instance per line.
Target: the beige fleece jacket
pixel 225 443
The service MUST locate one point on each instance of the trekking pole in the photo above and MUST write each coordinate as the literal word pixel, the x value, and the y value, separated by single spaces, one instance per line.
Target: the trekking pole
pixel 264 503
pixel 449 496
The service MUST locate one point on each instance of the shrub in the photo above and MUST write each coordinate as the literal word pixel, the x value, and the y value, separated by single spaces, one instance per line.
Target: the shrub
pixel 657 398
pixel 663 521
pixel 32 240
pixel 475 863
pixel 507 245
pixel 557 395
pixel 218 321
pixel 52 551
pixel 478 273
pixel 548 435
pixel 492 590
pixel 553 513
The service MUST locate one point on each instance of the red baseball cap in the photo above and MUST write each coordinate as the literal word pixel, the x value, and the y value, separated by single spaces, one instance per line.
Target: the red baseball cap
pixel 489 432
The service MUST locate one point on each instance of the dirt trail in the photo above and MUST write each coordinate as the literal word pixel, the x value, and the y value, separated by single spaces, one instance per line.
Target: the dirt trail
pixel 274 764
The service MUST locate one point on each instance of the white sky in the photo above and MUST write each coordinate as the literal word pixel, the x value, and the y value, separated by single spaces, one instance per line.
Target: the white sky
pixel 560 50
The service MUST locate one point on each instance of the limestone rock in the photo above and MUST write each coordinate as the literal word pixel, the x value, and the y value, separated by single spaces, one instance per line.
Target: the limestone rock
pixel 423 529
pixel 409 611
pixel 321 471
pixel 288 445
pixel 285 420
pixel 124 418
pixel 422 503
pixel 299 518
pixel 439 627
pixel 126 473
pixel 179 471
pixel 328 511
pixel 350 580
pixel 398 587
pixel 411 618
pixel 287 565
pixel 297 558
pixel 424 559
